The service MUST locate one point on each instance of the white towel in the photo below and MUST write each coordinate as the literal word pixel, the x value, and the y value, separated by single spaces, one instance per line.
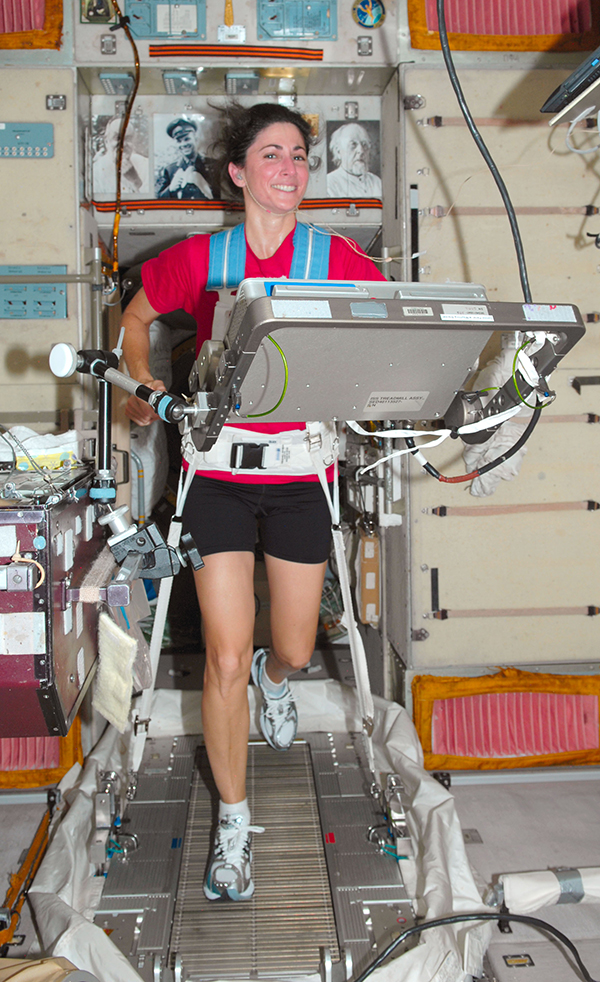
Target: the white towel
pixel 113 684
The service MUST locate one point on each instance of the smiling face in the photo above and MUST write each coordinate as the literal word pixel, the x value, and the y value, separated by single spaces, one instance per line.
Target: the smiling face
pixel 354 149
pixel 186 139
pixel 275 173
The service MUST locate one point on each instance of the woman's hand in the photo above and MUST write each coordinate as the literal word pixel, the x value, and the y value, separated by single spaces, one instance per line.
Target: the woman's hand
pixel 139 411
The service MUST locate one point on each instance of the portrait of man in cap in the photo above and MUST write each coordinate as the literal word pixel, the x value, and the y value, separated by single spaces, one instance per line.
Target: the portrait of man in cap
pixel 353 149
pixel 187 173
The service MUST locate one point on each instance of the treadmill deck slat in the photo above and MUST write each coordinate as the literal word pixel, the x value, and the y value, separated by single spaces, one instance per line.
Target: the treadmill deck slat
pixel 290 915
pixel 321 885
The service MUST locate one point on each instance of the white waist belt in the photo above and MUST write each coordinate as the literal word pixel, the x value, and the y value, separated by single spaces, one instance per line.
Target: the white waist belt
pixel 241 451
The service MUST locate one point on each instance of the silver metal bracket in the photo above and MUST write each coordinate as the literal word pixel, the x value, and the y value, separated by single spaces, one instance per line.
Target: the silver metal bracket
pixel 414 102
pixel 108 44
pixel 140 724
pixel 56 102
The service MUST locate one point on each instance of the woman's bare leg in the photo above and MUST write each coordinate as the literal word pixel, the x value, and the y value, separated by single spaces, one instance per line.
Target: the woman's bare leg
pixel 295 590
pixel 225 588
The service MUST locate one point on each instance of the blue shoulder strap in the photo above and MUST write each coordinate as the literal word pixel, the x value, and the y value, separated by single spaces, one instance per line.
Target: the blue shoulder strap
pixel 226 259
pixel 311 253
pixel 227 256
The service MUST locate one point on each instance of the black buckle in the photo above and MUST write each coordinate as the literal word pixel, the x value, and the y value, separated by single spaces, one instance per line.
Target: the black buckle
pixel 247 456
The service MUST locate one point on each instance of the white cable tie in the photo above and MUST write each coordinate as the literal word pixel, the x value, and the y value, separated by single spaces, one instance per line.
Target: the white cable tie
pixel 444 434
pixel 527 369
pixel 538 340
pixel 390 434
pixel 490 421
pixel 582 115
pixel 118 351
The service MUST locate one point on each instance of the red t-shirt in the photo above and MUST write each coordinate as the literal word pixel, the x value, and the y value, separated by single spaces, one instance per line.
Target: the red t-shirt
pixel 176 279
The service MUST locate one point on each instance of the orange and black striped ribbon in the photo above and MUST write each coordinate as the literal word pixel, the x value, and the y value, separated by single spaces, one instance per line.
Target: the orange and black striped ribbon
pixel 237 51
pixel 158 204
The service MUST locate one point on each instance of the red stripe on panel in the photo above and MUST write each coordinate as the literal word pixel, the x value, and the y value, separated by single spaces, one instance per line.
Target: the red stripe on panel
pixel 515 724
pixel 21 15
pixel 513 17
pixel 29 753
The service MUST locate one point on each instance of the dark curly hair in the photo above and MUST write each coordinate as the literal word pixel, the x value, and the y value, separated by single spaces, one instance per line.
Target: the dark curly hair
pixel 240 125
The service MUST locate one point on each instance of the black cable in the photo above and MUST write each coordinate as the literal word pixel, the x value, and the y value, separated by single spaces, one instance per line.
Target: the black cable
pixel 481 916
pixel 517 446
pixel 512 218
pixel 430 469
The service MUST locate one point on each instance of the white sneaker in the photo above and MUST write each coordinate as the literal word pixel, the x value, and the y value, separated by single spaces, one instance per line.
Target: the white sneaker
pixel 278 715
pixel 229 874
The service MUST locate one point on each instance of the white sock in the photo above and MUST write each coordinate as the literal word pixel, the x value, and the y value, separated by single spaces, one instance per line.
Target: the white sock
pixel 276 689
pixel 237 808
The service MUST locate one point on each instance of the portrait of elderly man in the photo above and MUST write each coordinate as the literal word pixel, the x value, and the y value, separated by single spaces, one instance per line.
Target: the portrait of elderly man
pixel 188 176
pixel 135 167
pixel 351 147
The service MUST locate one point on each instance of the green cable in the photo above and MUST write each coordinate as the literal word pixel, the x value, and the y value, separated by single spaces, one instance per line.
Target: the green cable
pixel 514 378
pixel 392 852
pixel 285 385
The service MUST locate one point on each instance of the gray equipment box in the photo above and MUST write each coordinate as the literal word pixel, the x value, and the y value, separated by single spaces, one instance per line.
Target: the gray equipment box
pixel 362 350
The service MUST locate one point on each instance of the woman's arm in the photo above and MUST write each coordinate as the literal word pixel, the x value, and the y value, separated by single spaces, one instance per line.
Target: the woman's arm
pixel 136 320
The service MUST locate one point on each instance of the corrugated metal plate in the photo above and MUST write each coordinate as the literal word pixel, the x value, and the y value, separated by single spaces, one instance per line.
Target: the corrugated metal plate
pixel 290 916
pixel 351 921
pixel 320 743
pixel 366 869
pixel 340 812
pixel 162 788
pixel 327 784
pixel 185 746
pixel 152 788
pixel 123 904
pixel 149 817
pixel 155 877
pixel 154 847
pixel 156 925
pixel 353 782
pixel 350 838
pixel 385 895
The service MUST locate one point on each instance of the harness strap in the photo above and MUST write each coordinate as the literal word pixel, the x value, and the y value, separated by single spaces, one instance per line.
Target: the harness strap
pixel 143 705
pixel 226 259
pixel 227 256
pixel 311 254
pixel 357 649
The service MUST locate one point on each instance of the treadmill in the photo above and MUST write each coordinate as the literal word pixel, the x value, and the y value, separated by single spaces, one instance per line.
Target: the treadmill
pixel 330 892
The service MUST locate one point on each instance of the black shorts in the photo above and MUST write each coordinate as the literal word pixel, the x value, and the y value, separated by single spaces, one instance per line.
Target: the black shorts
pixel 293 520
